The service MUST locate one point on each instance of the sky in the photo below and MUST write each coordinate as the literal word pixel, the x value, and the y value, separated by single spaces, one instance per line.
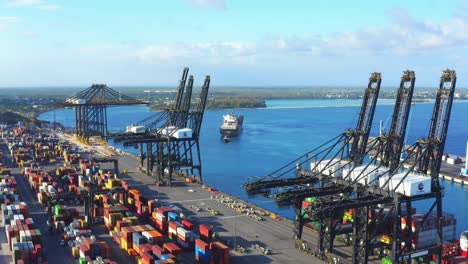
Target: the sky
pixel 237 42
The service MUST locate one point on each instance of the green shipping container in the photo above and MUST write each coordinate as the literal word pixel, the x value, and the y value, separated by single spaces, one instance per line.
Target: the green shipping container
pixel 16 252
pixel 386 261
pixel 58 209
pixel 82 260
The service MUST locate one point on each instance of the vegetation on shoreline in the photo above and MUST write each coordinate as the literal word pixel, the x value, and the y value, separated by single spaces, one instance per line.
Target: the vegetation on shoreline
pixel 220 103
pixel 30 102
pixel 223 103
pixel 9 117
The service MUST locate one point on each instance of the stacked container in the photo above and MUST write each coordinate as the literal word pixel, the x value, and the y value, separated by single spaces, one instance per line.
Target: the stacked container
pixel 219 253
pixel 464 243
pixel 202 252
pixel 23 239
pixel 206 233
pixel 427 235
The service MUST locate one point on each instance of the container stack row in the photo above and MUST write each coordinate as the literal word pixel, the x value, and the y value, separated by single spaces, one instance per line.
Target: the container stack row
pixel 24 240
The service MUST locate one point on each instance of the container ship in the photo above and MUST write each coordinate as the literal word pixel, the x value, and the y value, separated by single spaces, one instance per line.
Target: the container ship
pixel 232 125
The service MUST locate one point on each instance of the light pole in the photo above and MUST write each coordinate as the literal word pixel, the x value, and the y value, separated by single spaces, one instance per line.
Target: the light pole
pixel 235 229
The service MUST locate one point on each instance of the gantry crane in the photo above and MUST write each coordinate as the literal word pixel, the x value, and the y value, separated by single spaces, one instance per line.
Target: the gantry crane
pixel 385 147
pixel 349 149
pixel 425 157
pixel 167 148
pixel 351 144
pixel 91 109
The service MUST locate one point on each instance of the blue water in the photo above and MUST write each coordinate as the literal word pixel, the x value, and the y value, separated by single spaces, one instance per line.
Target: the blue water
pixel 308 103
pixel 287 129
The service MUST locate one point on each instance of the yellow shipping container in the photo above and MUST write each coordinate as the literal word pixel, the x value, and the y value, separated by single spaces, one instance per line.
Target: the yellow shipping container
pixel 131 219
pixel 123 244
pixel 113 217
pixel 75 252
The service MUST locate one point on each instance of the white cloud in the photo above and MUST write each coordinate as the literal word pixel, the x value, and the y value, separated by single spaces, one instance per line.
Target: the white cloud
pixel 404 35
pixel 197 50
pixel 5 21
pixel 209 3
pixel 38 4
pixel 25 2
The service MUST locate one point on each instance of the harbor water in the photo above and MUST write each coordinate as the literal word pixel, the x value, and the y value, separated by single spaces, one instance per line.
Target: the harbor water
pixel 286 129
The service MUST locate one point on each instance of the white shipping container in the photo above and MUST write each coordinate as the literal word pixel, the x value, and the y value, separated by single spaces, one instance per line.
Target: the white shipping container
pixel 183 133
pixel 332 167
pixel 414 185
pixel 50 189
pixel 167 130
pixel 22 236
pixel 182 231
pixel 147 236
pixel 464 235
pixel 368 174
pixel 172 231
pixel 160 217
pixel 80 101
pixel 387 184
pixel 135 129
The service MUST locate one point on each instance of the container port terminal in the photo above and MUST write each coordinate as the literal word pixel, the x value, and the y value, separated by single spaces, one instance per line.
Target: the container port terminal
pixel 353 195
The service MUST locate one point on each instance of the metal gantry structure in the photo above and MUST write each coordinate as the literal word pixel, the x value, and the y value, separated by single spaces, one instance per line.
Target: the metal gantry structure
pixel 423 157
pixel 91 109
pixel 170 140
pixel 349 148
pixel 329 178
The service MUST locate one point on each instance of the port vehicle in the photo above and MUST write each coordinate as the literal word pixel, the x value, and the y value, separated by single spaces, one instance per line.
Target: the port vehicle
pixel 232 126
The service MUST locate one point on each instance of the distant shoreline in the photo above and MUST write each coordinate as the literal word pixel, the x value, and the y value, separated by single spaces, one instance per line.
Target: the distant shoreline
pixel 417 101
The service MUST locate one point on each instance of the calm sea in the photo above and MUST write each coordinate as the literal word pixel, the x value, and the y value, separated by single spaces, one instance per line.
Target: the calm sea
pixel 286 129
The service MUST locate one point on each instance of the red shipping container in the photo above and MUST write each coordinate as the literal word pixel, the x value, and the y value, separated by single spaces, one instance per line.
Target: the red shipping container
pixel 147 257
pixel 187 224
pixel 157 250
pixel 174 225
pixel 205 230
pixel 172 248
pixel 84 249
pixel 164 210
pixel 201 244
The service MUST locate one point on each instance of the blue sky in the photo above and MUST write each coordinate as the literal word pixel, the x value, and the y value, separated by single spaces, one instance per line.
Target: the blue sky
pixel 237 42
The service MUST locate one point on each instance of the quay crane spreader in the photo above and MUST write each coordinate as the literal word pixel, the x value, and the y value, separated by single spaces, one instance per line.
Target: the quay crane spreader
pixel 172 136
